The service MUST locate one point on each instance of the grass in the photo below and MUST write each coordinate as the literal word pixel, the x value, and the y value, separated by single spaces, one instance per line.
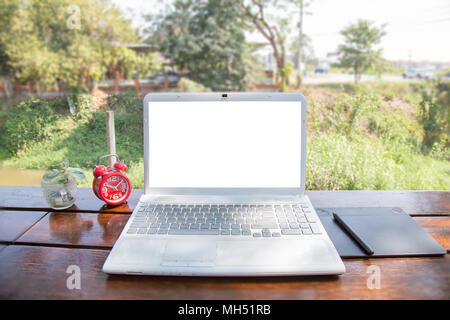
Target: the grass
pixel 359 137
pixel 335 162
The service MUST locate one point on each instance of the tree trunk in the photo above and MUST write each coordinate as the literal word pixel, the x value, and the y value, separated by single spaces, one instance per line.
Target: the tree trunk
pixel 299 81
pixel 116 82
pixel 7 86
pixel 17 86
pixel 166 83
pixel 280 71
pixel 356 76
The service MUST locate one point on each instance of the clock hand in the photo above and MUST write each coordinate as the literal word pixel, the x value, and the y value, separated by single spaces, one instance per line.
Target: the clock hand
pixel 115 188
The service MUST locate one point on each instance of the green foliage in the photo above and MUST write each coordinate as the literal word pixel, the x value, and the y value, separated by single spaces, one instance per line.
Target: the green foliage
pixel 125 101
pixel 284 73
pixel 64 42
pixel 358 51
pixel 205 38
pixel 33 121
pixel 145 64
pixel 356 140
pixel 187 85
pixel 349 109
pixel 364 112
pixel 364 141
pixel 443 73
pixel 335 162
pixel 274 28
pixel 62 173
pixel 435 115
pixel 440 150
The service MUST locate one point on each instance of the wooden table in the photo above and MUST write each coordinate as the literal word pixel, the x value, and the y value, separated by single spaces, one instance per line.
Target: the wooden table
pixel 37 246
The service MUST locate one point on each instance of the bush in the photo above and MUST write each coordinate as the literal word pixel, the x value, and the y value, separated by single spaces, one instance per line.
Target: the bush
pixel 126 101
pixel 435 114
pixel 356 141
pixel 52 138
pixel 335 162
pixel 187 85
pixel 32 121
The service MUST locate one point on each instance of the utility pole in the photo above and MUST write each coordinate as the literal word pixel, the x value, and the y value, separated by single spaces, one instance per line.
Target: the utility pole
pixel 409 59
pixel 300 39
pixel 300 44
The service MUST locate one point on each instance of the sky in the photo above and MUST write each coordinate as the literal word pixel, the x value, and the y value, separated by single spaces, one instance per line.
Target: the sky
pixel 417 30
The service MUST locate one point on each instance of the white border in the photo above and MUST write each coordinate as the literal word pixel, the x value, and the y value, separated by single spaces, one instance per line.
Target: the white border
pixel 219 96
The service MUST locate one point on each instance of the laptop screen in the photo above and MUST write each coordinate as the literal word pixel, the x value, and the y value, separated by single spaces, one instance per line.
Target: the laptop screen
pixel 224 144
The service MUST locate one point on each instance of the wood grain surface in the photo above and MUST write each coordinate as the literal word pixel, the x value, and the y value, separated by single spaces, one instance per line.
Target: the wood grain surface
pixel 37 246
pixel 91 230
pixel 14 223
pixel 413 202
pixel 76 229
pixel 31 198
pixel 40 273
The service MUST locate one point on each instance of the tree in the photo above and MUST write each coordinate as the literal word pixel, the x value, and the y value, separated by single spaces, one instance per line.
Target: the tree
pixel 205 39
pixel 308 56
pixel 8 9
pixel 40 44
pixel 359 52
pixel 435 115
pixel 144 64
pixel 274 29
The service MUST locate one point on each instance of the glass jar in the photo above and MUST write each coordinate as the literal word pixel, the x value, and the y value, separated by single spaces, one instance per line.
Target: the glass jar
pixel 60 195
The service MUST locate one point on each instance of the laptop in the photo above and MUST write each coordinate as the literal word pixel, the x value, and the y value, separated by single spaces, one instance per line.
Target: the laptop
pixel 224 191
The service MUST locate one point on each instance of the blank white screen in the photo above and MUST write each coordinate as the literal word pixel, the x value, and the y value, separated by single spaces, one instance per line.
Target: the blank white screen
pixel 224 144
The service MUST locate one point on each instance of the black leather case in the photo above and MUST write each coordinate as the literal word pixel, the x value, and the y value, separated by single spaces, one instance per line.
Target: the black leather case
pixel 390 232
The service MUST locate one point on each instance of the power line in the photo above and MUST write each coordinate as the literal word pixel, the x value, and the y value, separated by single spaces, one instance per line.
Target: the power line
pixel 435 21
pixel 394 29
pixel 440 8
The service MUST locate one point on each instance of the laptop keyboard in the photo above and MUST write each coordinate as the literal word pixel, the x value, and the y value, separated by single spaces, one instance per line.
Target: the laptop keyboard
pixel 251 220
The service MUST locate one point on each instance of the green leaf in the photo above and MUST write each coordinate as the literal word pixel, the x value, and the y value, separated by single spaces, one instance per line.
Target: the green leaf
pixel 50 175
pixel 65 165
pixel 79 170
pixel 62 178
pixel 77 175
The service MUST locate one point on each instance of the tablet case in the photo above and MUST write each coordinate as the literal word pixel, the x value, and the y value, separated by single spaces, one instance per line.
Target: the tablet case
pixel 390 232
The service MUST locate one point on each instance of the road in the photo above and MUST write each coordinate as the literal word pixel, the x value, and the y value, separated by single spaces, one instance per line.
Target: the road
pixel 347 78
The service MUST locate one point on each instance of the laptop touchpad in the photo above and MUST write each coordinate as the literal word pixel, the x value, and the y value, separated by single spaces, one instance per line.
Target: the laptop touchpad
pixel 189 252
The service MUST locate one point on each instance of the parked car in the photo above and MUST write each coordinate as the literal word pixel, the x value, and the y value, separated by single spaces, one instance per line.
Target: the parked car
pixel 321 69
pixel 411 74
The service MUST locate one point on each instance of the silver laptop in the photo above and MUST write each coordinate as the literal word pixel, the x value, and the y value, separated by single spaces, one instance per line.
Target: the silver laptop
pixel 224 191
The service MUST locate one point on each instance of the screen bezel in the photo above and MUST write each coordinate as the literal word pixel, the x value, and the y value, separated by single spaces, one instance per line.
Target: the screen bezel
pixel 221 96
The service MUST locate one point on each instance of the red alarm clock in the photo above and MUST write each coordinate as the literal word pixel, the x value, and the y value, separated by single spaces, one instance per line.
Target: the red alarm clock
pixel 110 183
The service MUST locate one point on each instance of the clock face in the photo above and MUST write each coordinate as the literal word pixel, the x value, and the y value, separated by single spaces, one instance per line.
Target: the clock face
pixel 115 188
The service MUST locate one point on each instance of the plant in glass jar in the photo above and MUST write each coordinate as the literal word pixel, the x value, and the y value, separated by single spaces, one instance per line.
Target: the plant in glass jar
pixel 59 185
